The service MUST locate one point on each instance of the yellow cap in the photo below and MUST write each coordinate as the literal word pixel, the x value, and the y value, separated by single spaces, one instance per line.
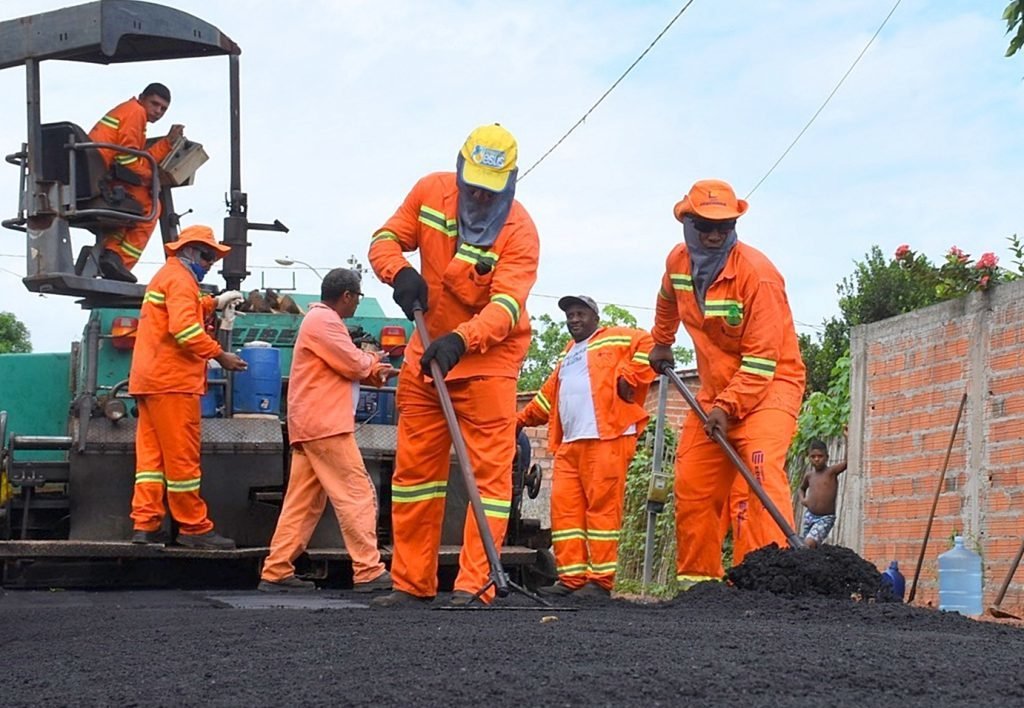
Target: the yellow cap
pixel 490 154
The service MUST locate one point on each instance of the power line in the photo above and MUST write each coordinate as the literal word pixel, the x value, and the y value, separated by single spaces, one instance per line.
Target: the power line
pixel 582 120
pixel 822 107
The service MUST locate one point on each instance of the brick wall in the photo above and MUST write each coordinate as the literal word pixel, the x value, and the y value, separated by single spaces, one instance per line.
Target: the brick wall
pixel 675 410
pixel 909 376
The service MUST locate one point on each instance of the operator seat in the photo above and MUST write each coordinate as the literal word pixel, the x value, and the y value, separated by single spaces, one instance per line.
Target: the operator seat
pixel 94 185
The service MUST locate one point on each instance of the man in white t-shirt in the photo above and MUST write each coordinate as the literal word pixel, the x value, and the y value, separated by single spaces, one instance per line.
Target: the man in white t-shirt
pixel 593 403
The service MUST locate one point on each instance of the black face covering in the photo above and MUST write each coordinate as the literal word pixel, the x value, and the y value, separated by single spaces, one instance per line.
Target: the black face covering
pixel 480 224
pixel 705 263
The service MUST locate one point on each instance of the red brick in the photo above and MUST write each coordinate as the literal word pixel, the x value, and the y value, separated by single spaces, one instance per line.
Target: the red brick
pixel 1006 361
pixel 1010 337
pixel 1006 430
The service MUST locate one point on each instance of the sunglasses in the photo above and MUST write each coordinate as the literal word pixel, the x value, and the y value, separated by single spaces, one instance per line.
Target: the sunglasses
pixel 207 255
pixel 706 226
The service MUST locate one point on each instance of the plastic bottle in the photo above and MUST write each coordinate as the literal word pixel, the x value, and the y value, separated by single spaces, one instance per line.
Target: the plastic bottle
pixel 960 580
pixel 893 579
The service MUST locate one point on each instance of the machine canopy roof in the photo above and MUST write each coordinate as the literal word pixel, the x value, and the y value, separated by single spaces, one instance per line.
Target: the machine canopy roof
pixel 110 32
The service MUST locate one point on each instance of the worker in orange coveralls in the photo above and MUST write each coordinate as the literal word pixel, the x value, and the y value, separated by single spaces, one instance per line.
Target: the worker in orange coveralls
pixel 478 253
pixel 733 303
pixel 168 376
pixel 125 125
pixel 593 403
pixel 323 391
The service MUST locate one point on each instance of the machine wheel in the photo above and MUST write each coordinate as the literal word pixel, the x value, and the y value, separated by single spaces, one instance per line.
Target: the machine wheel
pixel 542 572
pixel 532 481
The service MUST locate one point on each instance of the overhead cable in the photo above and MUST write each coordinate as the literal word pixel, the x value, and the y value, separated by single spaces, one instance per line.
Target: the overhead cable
pixel 582 120
pixel 822 107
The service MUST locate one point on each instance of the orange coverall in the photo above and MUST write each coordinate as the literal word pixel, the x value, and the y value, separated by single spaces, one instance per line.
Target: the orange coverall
pixel 481 294
pixel 589 475
pixel 168 375
pixel 126 125
pixel 326 462
pixel 749 364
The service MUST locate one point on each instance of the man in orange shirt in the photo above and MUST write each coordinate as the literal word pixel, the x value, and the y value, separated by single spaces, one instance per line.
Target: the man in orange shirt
pixel 167 378
pixel 125 125
pixel 326 463
pixel 733 303
pixel 478 253
pixel 593 405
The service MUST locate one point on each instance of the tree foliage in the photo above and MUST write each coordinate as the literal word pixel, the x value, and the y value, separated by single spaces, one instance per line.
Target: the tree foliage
pixel 550 337
pixel 633 536
pixel 1014 16
pixel 14 335
pixel 882 287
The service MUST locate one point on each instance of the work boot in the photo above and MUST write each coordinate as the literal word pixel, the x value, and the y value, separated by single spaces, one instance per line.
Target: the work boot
pixel 399 598
pixel 593 591
pixel 113 268
pixel 211 540
pixel 381 582
pixel 463 598
pixel 150 538
pixel 559 589
pixel 289 584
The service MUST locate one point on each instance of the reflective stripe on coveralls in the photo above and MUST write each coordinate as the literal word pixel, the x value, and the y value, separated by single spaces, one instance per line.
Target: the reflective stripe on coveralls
pixel 126 125
pixel 168 374
pixel 488 311
pixel 486 413
pixel 587 495
pixel 168 438
pixel 749 363
pixel 589 476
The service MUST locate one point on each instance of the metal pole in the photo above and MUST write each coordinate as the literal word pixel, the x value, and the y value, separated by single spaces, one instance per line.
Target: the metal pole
pixel 794 540
pixel 498 576
pixel 88 396
pixel 658 490
pixel 935 500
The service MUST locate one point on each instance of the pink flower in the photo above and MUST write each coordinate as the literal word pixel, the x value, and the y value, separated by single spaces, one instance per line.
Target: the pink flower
pixel 959 255
pixel 983 283
pixel 987 260
pixel 902 251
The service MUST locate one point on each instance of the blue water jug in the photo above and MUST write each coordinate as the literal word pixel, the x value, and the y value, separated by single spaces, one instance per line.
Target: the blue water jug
pixel 211 403
pixel 960 580
pixel 258 388
pixel 893 579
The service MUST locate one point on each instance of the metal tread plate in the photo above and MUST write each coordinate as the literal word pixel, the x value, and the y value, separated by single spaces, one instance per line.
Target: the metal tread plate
pixel 220 435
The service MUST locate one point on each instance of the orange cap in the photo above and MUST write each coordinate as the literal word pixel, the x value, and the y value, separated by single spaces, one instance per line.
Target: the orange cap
pixel 197 234
pixel 712 199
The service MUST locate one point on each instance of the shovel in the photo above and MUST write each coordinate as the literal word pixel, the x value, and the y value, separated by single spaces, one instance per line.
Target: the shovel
pixel 994 610
pixel 794 540
pixel 499 578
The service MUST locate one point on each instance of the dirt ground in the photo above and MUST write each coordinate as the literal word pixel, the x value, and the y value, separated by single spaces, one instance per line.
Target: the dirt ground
pixel 713 645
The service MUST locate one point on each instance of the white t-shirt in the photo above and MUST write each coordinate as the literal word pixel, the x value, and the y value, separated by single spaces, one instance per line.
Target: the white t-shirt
pixel 575 402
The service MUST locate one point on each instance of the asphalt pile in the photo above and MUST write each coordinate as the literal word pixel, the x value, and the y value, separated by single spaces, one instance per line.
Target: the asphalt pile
pixel 829 571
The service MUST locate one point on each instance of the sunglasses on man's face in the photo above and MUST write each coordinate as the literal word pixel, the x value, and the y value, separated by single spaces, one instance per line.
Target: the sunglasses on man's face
pixel 706 226
pixel 208 256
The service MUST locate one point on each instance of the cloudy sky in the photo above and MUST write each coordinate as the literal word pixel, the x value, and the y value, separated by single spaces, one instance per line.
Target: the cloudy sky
pixel 346 104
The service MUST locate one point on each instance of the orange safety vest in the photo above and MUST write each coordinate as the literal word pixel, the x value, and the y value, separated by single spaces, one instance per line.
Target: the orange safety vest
pixel 611 352
pixel 171 345
pixel 748 357
pixel 478 292
pixel 126 125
